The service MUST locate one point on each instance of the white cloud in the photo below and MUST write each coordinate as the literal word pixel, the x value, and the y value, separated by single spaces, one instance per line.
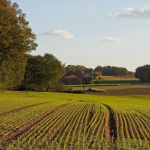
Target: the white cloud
pixel 92 7
pixel 60 33
pixel 148 22
pixel 131 12
pixel 63 34
pixel 111 39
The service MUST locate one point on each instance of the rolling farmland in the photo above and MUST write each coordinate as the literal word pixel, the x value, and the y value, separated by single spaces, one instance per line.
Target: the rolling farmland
pixel 69 121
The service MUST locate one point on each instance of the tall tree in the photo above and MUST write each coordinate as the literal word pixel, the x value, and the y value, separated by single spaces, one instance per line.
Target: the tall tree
pixel 42 73
pixel 143 73
pixel 16 39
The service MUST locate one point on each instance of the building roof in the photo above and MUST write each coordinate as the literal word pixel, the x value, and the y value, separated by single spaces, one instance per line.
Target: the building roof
pixel 72 76
pixel 89 75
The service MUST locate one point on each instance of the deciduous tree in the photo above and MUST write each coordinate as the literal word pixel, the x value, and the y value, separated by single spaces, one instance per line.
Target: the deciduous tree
pixel 16 39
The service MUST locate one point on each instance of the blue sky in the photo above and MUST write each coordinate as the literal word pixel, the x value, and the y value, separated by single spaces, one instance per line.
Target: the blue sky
pixel 91 32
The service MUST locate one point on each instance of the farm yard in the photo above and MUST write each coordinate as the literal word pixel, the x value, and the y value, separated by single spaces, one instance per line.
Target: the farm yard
pixel 42 120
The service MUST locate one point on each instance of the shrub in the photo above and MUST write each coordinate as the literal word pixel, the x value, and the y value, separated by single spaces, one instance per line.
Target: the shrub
pixel 96 82
pixel 78 92
pixel 62 88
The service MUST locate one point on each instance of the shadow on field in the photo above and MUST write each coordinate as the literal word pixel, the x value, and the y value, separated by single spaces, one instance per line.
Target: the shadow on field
pixel 112 123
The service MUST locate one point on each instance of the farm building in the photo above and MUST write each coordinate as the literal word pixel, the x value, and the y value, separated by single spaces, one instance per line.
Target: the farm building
pixel 92 75
pixel 74 80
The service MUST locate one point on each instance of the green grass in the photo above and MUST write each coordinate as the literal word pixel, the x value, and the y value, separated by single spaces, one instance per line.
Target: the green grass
pixel 13 99
pixel 119 78
pixel 116 82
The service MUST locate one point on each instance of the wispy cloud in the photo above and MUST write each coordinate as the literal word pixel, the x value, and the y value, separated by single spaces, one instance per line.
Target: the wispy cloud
pixel 131 12
pixel 111 39
pixel 63 34
pixel 45 33
pixel 92 7
pixel 59 33
pixel 148 22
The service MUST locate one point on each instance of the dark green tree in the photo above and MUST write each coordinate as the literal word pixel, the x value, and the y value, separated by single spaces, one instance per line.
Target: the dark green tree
pixel 143 73
pixel 112 70
pixel 16 39
pixel 42 73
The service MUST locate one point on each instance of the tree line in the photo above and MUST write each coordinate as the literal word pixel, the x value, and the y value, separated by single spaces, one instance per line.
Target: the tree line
pixel 80 71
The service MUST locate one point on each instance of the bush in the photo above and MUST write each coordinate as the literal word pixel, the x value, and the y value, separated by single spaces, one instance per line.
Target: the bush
pixel 78 92
pixel 91 82
pixel 63 88
pixel 96 82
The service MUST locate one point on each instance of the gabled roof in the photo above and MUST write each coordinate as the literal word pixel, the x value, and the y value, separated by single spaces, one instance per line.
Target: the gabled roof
pixel 72 76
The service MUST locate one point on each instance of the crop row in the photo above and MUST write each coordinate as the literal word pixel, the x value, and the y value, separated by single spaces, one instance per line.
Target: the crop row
pixel 13 121
pixel 132 126
pixel 87 125
pixel 67 126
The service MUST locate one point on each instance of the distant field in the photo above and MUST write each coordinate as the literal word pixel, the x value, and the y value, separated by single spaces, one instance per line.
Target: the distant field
pixel 119 78
pixel 122 85
pixel 125 82
pixel 41 120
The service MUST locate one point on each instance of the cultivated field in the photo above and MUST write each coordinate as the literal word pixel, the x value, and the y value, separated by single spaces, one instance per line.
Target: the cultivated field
pixel 110 85
pixel 37 120
pixel 119 78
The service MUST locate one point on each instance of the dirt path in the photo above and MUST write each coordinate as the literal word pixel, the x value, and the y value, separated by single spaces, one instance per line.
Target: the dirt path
pixel 18 109
pixel 28 125
pixel 112 123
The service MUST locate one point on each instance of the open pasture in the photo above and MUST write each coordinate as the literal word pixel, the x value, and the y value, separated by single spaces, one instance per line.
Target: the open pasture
pixel 34 120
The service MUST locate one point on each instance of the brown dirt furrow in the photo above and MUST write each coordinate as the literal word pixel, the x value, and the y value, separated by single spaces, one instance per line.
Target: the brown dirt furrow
pixel 143 113
pixel 28 125
pixel 129 126
pixel 110 123
pixel 125 130
pixel 138 127
pixel 18 109
pixel 134 127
